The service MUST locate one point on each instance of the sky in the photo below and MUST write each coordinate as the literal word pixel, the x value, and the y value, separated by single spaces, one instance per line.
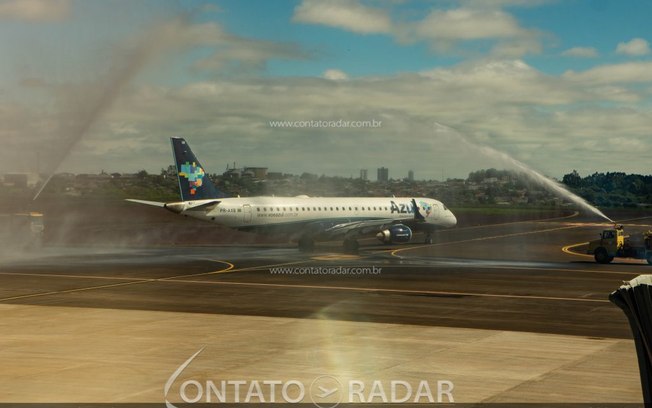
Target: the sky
pixel 95 85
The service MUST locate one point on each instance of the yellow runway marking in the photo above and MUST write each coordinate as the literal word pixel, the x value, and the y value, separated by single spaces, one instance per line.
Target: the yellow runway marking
pixel 231 268
pixel 227 269
pixel 336 257
pixel 534 268
pixel 262 267
pixel 398 291
pixel 321 287
pixel 132 281
pixel 568 249
pixel 253 268
pixel 45 275
pixel 57 292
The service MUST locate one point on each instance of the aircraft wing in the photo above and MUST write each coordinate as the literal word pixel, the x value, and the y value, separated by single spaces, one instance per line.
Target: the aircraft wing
pixel 362 227
pixel 368 226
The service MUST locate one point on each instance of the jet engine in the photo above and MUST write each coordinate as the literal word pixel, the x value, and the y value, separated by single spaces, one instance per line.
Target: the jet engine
pixel 396 234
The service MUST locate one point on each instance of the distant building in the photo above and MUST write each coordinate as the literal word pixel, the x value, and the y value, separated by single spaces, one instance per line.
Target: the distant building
pixel 232 173
pixel 259 173
pixel 410 175
pixel 383 174
pixel 363 174
pixel 21 180
pixel 16 180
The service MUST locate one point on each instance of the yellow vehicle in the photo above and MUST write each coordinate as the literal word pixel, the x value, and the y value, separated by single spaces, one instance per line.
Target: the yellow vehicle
pixel 613 243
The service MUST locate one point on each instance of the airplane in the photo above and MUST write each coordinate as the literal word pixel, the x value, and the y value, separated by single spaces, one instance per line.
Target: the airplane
pixel 303 219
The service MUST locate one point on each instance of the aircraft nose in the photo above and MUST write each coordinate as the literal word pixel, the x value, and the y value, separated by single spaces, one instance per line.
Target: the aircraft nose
pixel 452 219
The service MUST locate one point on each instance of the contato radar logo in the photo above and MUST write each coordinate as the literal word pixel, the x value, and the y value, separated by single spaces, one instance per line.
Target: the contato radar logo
pixel 325 391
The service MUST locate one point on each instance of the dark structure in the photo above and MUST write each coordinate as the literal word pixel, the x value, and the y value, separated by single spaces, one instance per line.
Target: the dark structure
pixel 383 175
pixel 635 299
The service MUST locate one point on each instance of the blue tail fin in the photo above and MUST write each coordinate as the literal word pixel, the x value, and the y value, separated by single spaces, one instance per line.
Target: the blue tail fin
pixel 193 180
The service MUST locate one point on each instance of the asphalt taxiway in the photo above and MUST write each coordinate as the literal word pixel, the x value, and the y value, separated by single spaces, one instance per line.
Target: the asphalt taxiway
pixel 519 288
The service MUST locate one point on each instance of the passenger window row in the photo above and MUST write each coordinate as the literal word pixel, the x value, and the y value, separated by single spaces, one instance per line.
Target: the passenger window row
pixel 286 209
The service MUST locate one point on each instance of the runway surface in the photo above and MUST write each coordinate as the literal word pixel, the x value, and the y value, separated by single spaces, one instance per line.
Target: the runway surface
pixel 506 276
pixel 507 312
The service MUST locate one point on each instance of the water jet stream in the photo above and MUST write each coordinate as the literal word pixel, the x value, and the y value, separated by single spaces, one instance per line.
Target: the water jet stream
pixel 128 60
pixel 534 175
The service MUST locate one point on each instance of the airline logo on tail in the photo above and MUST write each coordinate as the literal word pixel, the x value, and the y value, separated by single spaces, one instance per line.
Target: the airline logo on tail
pixel 194 174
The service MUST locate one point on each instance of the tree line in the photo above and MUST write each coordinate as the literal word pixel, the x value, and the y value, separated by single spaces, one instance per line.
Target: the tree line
pixel 612 189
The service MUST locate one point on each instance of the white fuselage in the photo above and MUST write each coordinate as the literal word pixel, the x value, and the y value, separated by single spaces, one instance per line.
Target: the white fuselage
pixel 255 212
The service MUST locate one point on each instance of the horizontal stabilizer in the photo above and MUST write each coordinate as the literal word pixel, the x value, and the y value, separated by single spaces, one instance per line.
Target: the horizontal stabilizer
pixel 204 205
pixel 152 203
pixel 181 206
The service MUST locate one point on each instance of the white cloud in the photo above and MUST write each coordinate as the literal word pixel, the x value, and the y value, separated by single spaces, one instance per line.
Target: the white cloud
pixel 468 24
pixel 335 75
pixel 243 55
pixel 514 106
pixel 503 3
pixel 556 122
pixel 581 52
pixel 35 10
pixel 443 29
pixel 506 82
pixel 345 14
pixel 517 47
pixel 630 72
pixel 634 47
